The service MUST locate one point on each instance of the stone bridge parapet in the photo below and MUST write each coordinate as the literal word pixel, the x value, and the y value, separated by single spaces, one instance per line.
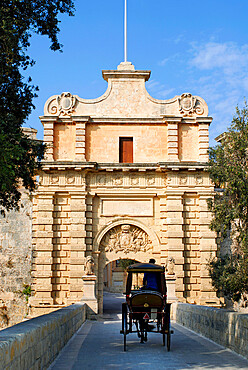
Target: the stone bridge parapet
pixel 229 329
pixel 35 344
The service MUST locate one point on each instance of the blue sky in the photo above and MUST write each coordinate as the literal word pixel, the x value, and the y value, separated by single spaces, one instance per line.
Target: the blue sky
pixel 190 46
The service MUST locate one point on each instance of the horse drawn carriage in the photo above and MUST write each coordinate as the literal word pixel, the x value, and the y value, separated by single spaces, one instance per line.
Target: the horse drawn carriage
pixel 146 309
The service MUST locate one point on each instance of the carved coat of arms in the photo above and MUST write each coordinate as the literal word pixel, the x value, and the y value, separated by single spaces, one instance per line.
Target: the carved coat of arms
pixel 66 103
pixel 189 105
pixel 126 238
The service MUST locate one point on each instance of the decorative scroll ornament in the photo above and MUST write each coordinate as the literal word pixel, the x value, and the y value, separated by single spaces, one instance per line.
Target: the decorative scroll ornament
pixel 66 103
pixel 189 105
pixel 126 238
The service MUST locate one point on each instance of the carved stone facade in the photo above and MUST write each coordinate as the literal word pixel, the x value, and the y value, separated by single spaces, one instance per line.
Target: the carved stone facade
pixel 89 204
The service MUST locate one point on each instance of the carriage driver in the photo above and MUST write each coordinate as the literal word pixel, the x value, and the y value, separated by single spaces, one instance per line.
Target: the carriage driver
pixel 150 280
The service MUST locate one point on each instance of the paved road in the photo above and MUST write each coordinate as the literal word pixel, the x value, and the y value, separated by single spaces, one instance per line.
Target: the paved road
pixel 98 345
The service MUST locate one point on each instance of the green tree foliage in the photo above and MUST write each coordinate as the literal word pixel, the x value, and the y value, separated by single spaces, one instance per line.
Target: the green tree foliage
pixel 228 168
pixel 20 156
pixel 125 262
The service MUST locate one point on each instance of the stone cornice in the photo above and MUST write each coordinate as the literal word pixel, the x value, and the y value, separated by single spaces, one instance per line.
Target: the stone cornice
pixel 127 120
pixel 64 119
pixel 109 167
pixel 113 74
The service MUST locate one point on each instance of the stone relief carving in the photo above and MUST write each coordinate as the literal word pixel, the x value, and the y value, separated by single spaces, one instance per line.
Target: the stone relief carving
pixel 189 105
pixel 118 180
pixel 199 180
pixel 101 180
pixel 134 180
pixel 63 104
pixel 150 180
pixel 186 180
pixel 126 238
pixel 54 179
pixel 183 179
pixel 70 179
pixel 89 266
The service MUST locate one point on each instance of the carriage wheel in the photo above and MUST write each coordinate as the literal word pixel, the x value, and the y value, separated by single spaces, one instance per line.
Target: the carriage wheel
pixel 168 341
pixel 124 324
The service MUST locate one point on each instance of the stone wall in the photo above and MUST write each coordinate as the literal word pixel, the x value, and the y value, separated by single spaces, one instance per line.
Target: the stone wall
pixel 15 262
pixel 35 344
pixel 229 329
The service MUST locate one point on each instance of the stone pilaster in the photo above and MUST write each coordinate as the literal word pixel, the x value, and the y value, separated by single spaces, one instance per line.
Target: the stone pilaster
pixel 203 142
pixel 163 229
pixel 80 138
pixel 89 222
pixel 175 243
pixel 78 246
pixel 208 249
pixel 42 250
pixel 172 142
pixel 61 248
pixel 48 137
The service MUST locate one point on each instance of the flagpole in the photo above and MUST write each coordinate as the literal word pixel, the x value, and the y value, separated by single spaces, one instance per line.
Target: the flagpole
pixel 125 32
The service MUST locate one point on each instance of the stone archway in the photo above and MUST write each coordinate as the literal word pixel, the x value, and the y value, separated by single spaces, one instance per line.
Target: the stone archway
pixel 121 239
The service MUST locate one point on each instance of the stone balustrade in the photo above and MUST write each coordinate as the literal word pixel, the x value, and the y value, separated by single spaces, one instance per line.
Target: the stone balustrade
pixel 34 344
pixel 229 329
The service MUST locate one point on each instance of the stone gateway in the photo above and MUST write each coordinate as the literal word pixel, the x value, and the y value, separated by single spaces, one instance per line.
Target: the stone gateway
pixel 124 177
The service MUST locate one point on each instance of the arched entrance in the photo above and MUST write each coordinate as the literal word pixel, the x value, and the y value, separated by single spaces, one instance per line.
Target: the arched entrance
pixel 122 239
pixel 114 275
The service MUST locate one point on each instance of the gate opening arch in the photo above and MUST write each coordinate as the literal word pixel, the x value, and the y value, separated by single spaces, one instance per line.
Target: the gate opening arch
pixel 131 239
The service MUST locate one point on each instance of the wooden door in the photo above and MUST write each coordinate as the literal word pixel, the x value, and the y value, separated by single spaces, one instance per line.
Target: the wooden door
pixel 126 150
